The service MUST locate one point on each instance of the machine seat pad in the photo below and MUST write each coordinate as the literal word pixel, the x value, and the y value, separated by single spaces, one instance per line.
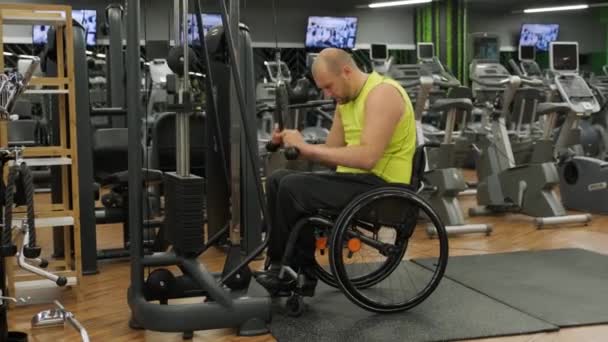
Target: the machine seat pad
pixel 447 104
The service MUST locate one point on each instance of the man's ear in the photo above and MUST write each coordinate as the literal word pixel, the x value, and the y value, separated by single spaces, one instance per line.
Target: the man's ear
pixel 347 71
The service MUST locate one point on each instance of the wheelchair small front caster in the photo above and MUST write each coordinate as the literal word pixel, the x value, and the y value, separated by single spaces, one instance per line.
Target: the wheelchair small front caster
pixel 295 306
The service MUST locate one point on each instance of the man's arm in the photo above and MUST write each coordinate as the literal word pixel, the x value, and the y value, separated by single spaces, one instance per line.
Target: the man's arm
pixel 383 110
pixel 335 138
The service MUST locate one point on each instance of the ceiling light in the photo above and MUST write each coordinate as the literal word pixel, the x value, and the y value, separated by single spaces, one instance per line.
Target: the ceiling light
pixel 558 8
pixel 397 3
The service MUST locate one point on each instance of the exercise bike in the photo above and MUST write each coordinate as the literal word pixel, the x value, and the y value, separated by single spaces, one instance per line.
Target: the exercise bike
pixel 507 187
pixel 583 180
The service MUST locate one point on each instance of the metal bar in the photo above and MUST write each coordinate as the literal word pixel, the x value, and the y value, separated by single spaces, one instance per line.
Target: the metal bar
pixel 237 106
pixel 182 120
pixel 521 117
pixel 449 126
pixel 541 222
pixel 176 30
pixel 461 229
pixel 185 45
pixel 241 99
pixel 212 101
pixel 135 157
pixel 548 127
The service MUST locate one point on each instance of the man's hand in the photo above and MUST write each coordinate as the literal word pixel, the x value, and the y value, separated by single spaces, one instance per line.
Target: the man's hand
pixel 292 138
pixel 277 138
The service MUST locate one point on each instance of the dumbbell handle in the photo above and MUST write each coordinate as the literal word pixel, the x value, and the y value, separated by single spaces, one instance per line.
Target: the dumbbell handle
pixel 291 153
pixel 271 146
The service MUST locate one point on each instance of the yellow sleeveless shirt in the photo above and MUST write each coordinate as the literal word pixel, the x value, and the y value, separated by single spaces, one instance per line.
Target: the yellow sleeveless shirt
pixel 395 166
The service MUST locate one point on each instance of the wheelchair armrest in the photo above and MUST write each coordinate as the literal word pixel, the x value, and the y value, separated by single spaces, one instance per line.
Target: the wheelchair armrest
pixel 329 213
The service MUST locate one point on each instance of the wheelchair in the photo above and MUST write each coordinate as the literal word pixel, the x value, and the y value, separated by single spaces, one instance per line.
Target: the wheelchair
pixel 357 230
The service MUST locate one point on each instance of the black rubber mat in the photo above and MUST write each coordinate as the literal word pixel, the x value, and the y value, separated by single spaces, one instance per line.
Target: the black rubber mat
pixel 452 312
pixel 565 287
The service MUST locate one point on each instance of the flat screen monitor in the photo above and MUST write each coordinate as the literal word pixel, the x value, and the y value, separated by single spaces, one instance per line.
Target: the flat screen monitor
pixel 210 20
pixel 539 35
pixel 563 56
pixel 378 52
pixel 527 52
pixel 337 32
pixel 486 48
pixel 425 50
pixel 39 34
pixel 87 18
pixel 157 49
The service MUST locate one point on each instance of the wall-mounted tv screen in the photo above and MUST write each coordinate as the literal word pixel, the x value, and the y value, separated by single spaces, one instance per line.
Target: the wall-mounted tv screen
pixel 338 32
pixel 539 35
pixel 210 20
pixel 87 18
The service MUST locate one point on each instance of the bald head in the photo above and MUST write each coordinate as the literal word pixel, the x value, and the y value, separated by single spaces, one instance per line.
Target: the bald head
pixel 337 75
pixel 333 60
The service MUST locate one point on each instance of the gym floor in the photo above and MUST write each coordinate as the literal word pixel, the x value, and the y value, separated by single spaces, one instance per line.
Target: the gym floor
pixel 99 302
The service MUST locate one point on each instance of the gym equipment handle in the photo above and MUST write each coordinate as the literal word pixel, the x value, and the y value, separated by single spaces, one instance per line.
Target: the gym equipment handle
pixel 22 263
pixel 446 84
pixel 311 104
pixel 489 83
pixel 69 316
pixel 411 84
pixel 110 111
pixel 291 153
pixel 532 82
pixel 271 146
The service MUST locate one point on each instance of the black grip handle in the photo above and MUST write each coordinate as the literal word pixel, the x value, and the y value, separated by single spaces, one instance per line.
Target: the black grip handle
pixel 292 153
pixel 272 147
pixel 62 281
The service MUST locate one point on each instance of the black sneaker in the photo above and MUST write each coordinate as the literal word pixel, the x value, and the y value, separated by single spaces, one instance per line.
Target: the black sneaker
pixel 272 268
pixel 276 287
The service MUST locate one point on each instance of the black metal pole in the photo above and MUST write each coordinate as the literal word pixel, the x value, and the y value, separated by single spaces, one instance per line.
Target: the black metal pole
pixel 211 102
pixel 135 152
pixel 250 137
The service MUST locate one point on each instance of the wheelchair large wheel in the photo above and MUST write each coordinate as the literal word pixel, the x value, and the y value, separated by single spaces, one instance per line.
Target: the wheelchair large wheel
pixel 323 271
pixel 395 283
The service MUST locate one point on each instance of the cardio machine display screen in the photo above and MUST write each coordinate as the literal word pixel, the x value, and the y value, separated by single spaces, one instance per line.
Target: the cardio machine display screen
pixel 87 18
pixel 274 70
pixel 539 35
pixel 526 53
pixel 486 48
pixel 209 21
pixel 564 57
pixel 379 51
pixel 338 32
pixel 426 51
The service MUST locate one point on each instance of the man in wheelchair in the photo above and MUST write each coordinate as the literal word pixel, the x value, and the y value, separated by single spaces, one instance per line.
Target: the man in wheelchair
pixel 371 143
